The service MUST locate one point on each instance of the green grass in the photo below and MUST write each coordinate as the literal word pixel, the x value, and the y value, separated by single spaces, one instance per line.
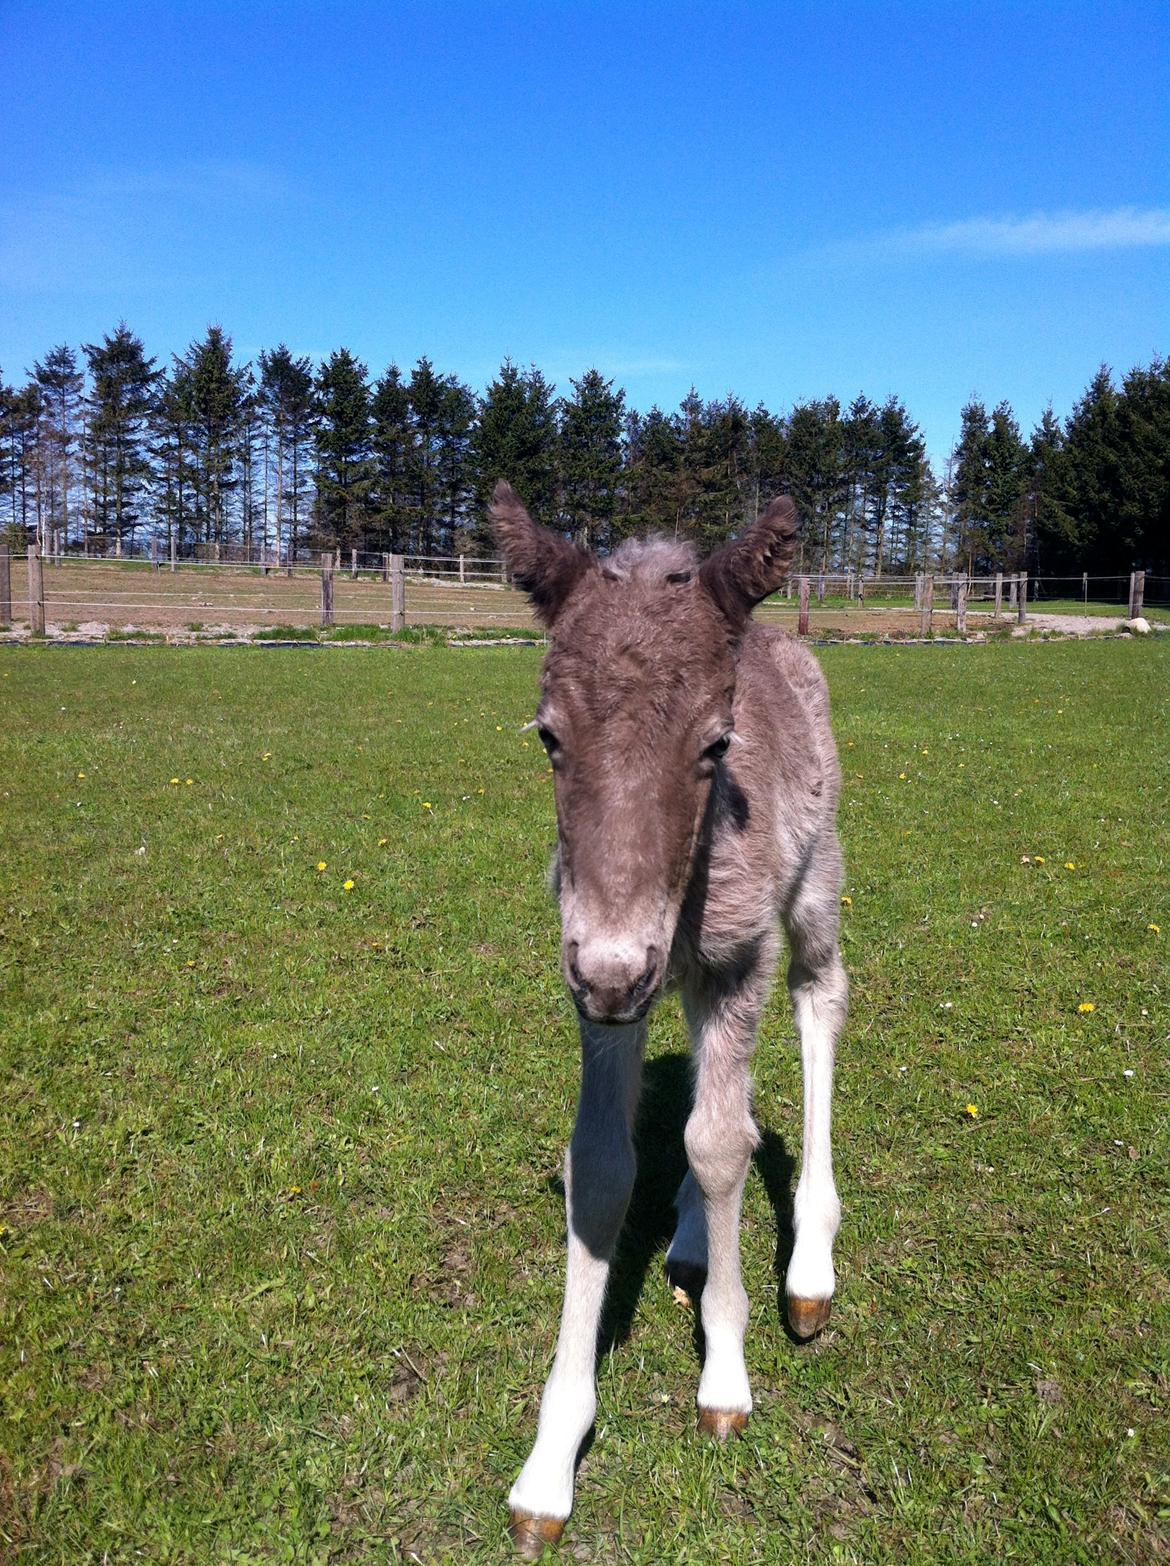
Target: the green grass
pixel 281 1246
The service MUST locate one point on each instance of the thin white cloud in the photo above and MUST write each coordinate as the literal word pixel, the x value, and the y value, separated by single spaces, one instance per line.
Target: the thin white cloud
pixel 1125 228
pixel 1041 233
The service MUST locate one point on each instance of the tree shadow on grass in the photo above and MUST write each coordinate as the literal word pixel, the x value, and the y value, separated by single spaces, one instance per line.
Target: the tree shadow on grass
pixel 662 1116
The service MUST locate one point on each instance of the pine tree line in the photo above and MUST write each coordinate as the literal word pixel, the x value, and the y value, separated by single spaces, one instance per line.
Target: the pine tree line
pixel 104 452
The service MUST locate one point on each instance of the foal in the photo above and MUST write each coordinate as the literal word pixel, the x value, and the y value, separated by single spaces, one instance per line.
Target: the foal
pixel 696 785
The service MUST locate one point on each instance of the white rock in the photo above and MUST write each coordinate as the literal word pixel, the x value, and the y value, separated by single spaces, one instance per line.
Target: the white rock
pixel 1141 626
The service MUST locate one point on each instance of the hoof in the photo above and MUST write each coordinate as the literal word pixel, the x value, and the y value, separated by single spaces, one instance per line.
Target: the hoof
pixel 531 1534
pixel 721 1423
pixel 686 1280
pixel 807 1317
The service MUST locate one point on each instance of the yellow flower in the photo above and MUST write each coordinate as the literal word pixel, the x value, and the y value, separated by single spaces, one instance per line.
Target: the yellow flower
pixel 382 841
pixel 846 901
pixel 426 804
pixel 267 756
pixel 971 1112
pixel 81 774
pixel 174 780
pixel 190 962
pixel 1085 1007
pixel 321 865
pixel 347 886
pixel 190 781
pixel 901 777
pixel 1037 859
pixel 1070 864
pixel 1154 929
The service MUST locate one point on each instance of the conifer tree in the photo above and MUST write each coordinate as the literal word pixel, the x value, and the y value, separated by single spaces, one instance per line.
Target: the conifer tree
pixel 286 404
pixel 217 389
pixel 392 438
pixel 59 382
pixel 118 412
pixel 345 466
pixel 591 458
pixel 515 438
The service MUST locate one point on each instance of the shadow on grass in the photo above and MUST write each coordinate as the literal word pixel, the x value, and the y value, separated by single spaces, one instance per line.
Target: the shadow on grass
pixel 666 1102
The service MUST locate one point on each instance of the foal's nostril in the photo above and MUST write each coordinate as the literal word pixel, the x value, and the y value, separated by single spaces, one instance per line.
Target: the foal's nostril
pixel 575 977
pixel 649 976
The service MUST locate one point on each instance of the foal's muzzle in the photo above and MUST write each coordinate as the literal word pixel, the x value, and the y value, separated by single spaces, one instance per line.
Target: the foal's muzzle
pixel 613 983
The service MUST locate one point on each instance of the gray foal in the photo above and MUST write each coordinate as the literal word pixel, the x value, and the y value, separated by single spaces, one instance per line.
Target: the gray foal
pixel 696 784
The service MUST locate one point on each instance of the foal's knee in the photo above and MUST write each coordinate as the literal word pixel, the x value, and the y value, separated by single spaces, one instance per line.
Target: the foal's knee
pixel 599 1180
pixel 719 1153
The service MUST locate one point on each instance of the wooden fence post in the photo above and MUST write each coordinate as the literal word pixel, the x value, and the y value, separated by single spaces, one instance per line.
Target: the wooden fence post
pixel 1137 594
pixel 802 623
pixel 821 588
pixel 961 607
pixel 385 567
pixel 998 594
pixel 5 587
pixel 154 554
pixel 36 592
pixel 462 578
pixel 927 605
pixel 860 591
pixel 353 564
pixel 397 593
pixel 1084 587
pixel 174 543
pixel 326 589
pixel 1022 598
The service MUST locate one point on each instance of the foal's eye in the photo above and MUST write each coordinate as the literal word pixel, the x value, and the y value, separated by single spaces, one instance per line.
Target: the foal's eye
pixel 718 750
pixel 548 739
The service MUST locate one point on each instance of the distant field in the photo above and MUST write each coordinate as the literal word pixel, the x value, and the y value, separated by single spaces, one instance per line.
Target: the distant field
pixel 280 1217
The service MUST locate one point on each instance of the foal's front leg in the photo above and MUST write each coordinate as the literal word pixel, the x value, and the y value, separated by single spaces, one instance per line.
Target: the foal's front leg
pixel 599 1176
pixel 720 1138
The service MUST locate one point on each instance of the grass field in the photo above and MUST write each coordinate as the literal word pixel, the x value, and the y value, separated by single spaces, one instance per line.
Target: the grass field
pixel 280 1215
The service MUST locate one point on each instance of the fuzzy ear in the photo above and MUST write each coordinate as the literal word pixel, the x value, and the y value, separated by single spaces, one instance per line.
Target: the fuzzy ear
pixel 544 564
pixel 741 573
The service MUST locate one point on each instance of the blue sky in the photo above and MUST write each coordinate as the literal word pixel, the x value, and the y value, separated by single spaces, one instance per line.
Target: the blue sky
pixel 786 201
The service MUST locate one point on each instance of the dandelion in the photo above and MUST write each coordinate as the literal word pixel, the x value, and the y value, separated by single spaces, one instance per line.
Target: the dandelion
pixel 347 886
pixel 190 962
pixel 81 774
pixel 174 780
pixel 901 777
pixel 846 901
pixel 321 865
pixel 971 1112
pixel 426 804
pixel 1070 864
pixel 382 841
pixel 1086 1007
pixel 1038 859
pixel 267 756
pixel 1154 929
pixel 190 781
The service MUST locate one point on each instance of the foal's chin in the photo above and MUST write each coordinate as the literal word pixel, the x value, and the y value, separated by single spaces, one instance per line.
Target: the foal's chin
pixel 621 1019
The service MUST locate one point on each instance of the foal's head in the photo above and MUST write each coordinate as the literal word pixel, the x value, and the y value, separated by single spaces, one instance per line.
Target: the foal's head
pixel 636 716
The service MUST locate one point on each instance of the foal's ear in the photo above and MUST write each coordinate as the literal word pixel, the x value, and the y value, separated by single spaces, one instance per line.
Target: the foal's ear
pixel 741 573
pixel 544 564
